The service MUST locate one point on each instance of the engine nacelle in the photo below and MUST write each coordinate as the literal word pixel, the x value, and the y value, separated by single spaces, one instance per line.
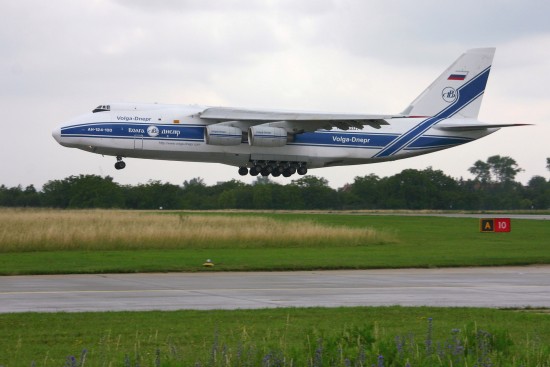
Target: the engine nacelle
pixel 222 135
pixel 265 136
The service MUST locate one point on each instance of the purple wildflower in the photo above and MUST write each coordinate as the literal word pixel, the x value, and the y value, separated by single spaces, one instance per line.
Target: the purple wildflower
pixel 380 361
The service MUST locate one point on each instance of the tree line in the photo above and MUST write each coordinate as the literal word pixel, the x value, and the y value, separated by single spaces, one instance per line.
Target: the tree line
pixel 493 187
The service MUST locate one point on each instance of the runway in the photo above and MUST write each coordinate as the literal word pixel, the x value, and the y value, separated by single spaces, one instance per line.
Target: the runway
pixel 469 287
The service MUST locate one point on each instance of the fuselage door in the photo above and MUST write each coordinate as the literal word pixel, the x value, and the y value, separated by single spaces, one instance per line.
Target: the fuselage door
pixel 138 141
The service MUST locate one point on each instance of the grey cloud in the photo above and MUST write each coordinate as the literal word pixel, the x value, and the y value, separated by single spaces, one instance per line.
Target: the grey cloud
pixel 398 31
pixel 106 48
pixel 181 6
pixel 302 7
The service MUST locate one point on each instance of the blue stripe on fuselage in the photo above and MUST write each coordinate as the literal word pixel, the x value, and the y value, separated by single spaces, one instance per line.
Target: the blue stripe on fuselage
pixel 124 130
pixel 346 139
pixel 324 138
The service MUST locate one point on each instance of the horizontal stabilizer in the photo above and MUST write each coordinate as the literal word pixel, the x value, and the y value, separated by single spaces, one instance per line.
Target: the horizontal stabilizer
pixel 472 127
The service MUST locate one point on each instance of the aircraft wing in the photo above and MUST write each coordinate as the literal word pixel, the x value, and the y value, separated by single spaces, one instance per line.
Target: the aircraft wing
pixel 295 121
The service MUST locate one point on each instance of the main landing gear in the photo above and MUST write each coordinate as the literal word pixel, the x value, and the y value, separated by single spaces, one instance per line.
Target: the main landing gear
pixel 275 169
pixel 119 163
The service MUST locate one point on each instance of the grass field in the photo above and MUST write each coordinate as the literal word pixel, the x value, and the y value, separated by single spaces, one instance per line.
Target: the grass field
pixel 50 241
pixel 383 336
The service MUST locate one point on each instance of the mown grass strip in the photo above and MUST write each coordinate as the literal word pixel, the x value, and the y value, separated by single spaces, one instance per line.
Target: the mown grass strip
pixel 299 337
pixel 90 262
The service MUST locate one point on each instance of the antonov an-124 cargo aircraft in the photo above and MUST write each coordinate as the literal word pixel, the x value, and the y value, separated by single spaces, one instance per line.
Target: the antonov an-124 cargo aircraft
pixel 275 142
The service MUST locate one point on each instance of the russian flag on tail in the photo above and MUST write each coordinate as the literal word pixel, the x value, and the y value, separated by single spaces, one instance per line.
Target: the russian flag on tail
pixel 458 75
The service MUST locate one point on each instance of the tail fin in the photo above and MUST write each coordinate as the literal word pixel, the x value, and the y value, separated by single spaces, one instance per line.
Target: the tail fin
pixel 459 90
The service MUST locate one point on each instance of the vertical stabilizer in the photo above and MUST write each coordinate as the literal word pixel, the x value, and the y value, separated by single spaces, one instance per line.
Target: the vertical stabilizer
pixel 459 89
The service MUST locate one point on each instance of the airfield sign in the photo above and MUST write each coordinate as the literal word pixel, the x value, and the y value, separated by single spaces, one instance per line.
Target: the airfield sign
pixel 495 225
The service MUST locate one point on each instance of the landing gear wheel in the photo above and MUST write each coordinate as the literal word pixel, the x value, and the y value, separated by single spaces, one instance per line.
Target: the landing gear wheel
pixel 254 171
pixel 276 173
pixel 286 173
pixel 243 171
pixel 120 165
pixel 302 170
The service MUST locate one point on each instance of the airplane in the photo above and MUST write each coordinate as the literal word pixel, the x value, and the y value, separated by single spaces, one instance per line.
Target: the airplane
pixel 279 142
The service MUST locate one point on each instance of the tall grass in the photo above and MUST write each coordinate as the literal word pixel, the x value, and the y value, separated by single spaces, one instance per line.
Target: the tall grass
pixel 360 345
pixel 23 230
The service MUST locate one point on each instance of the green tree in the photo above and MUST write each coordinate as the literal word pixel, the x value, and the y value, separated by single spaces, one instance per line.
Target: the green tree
pixel 262 180
pixel 11 196
pixel 482 171
pixel 83 191
pixel 244 197
pixel 495 169
pixel 414 189
pixel 221 187
pixel 538 192
pixel 57 193
pixel 4 196
pixel 226 193
pixel 316 193
pixel 363 193
pixel 287 197
pixel 504 169
pixel 92 191
pixel 469 195
pixel 228 199
pixel 31 197
pixel 195 195
pixel 406 190
pixel 262 196
pixel 154 195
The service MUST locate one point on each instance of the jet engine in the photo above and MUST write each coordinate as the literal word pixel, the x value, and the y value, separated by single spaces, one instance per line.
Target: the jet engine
pixel 222 135
pixel 265 136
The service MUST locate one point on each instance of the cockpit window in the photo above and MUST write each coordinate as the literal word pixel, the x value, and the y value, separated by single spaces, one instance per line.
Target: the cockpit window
pixel 102 108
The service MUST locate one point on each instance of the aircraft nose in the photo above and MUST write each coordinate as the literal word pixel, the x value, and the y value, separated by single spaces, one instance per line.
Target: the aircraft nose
pixel 56 133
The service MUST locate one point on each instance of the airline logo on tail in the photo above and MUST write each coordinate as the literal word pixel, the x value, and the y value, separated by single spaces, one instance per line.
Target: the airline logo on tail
pixel 449 94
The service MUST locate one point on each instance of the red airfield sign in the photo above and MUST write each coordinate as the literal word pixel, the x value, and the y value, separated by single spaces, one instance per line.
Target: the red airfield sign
pixel 495 225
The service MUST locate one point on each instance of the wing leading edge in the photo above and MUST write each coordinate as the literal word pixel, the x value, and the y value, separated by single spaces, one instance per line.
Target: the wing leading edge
pixel 296 121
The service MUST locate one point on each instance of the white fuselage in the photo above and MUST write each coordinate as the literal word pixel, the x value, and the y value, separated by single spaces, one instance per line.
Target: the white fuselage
pixel 276 143
pixel 176 132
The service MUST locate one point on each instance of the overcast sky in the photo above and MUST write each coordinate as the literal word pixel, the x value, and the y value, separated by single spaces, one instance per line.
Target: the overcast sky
pixel 61 58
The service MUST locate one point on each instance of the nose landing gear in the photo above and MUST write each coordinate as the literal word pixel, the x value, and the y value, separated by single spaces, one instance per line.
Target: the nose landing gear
pixel 119 163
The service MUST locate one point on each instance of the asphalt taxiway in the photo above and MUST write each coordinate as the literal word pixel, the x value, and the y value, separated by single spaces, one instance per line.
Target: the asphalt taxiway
pixel 469 287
